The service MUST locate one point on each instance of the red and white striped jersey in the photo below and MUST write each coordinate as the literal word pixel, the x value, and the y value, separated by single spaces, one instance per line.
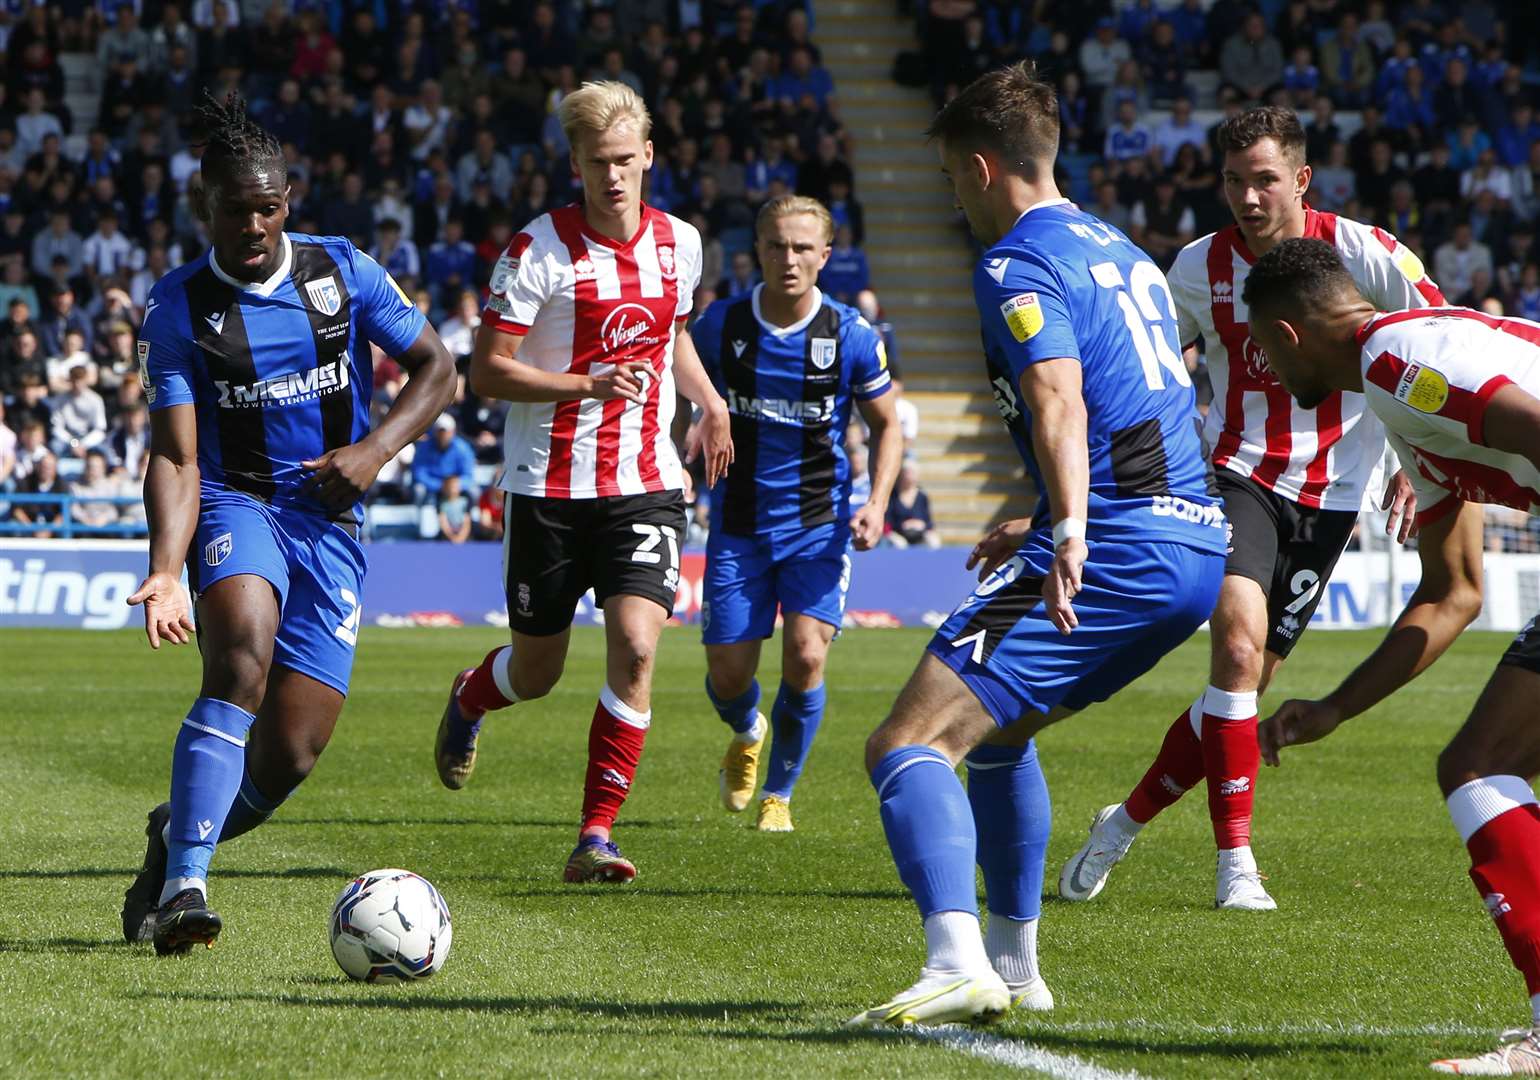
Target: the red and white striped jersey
pixel 584 303
pixel 1428 375
pixel 1321 458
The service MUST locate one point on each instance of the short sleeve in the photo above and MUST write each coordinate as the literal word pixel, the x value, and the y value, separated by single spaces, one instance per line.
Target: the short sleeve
pixel 1186 297
pixel 869 376
pixel 1417 396
pixel 519 288
pixel 1023 310
pixel 1389 273
pixel 687 245
pixel 166 349
pixel 389 318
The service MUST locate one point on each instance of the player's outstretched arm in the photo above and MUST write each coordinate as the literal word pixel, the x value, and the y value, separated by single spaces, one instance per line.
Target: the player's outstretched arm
pixel 342 476
pixel 713 433
pixel 887 440
pixel 497 372
pixel 1511 423
pixel 1445 602
pixel 1051 390
pixel 171 509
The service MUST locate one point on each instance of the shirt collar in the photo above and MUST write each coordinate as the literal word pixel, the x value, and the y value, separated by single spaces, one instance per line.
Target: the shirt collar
pixel 1061 201
pixel 261 288
pixel 785 331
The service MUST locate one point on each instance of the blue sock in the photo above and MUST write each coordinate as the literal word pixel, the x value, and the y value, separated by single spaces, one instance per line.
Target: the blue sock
pixel 250 808
pixel 929 827
pixel 794 721
pixel 1013 817
pixel 739 712
pixel 206 768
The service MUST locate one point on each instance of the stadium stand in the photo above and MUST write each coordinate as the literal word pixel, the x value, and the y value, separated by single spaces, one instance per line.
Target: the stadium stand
pixel 426 132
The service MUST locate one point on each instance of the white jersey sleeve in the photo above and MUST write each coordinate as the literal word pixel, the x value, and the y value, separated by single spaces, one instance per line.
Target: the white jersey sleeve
pixel 1389 273
pixel 1188 278
pixel 522 279
pixel 690 255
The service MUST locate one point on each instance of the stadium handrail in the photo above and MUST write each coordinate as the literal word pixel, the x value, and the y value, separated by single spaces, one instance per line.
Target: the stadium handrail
pixel 67 528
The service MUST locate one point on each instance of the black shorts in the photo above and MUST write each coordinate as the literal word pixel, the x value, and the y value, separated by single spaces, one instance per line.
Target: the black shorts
pixel 1525 650
pixel 555 550
pixel 1286 548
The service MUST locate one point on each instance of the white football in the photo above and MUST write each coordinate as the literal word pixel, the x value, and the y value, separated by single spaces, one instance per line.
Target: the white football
pixel 390 924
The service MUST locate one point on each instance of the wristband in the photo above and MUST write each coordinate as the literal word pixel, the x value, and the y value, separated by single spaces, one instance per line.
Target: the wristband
pixel 1068 528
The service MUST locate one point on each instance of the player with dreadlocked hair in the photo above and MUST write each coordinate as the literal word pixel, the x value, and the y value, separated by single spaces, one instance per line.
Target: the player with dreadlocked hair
pixel 256 365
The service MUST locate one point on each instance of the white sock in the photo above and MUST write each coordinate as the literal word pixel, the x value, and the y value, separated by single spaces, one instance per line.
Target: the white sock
pixel 1122 823
pixel 754 734
pixel 1238 860
pixel 1012 948
pixel 953 942
pixel 177 884
pixel 500 674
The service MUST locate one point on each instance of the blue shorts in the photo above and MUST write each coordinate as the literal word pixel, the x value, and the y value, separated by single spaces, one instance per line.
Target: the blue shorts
pixel 1138 601
pixel 748 577
pixel 315 566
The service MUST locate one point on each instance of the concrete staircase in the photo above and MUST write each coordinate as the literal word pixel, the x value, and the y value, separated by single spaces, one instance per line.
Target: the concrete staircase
pixel 921 269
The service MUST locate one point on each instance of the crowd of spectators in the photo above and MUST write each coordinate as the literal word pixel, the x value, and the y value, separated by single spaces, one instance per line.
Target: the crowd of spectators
pixel 1421 118
pixel 425 132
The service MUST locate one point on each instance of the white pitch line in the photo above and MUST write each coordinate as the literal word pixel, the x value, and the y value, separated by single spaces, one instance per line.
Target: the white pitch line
pixel 1319 1027
pixel 1018 1055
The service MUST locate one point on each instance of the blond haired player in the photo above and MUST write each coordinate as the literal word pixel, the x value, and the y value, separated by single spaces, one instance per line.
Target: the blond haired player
pixel 790 361
pixel 1459 392
pixel 582 333
pixel 1293 482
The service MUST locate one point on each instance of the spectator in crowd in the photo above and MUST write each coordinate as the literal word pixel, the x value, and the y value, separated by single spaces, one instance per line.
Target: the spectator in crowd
pixel 79 416
pixel 846 273
pixel 1333 186
pixel 443 452
pixel 93 492
pixel 8 440
pixel 1101 54
pixel 1176 131
pixel 458 332
pixel 59 239
pixel 1163 224
pixel 72 354
pixel 741 279
pixel 1252 60
pixel 130 438
pixel 489 512
pixel 1487 175
pixel 860 478
pixel 1347 64
pixel 1457 262
pixel 909 518
pixel 60 318
pixel 867 304
pixel 44 479
pixel 398 256
pixel 1110 208
pixel 1526 299
pixel 455 515
pixel 31 447
pixel 1301 78
pixel 1076 126
pixel 1127 138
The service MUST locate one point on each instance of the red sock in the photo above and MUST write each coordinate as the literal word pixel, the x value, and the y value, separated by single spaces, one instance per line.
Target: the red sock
pixel 1177 767
pixel 1231 759
pixel 480 692
pixel 614 748
pixel 1505 865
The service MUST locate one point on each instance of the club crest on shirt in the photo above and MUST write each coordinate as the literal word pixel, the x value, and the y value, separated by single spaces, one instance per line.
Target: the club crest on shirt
pixel 823 351
pixel 666 260
pixel 1422 388
pixel 324 295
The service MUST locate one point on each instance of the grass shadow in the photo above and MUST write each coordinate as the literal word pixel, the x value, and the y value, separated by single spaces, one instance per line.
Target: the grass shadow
pixel 125 872
pixel 544 891
pixel 1082 1042
pixel 407 1001
pixel 61 945
pixel 507 823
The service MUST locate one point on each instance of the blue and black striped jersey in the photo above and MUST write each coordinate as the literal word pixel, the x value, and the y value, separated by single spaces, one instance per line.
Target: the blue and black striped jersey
pixel 789 391
pixel 279 371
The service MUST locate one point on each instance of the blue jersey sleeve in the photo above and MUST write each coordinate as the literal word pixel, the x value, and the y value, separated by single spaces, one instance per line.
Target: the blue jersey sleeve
pixel 166 349
pixel 1024 311
pixel 388 317
pixel 869 377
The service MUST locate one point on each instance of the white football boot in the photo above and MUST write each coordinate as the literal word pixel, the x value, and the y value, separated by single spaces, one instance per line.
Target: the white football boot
pixel 1239 886
pixel 1033 996
pixel 1086 872
pixel 1520 1057
pixel 942 997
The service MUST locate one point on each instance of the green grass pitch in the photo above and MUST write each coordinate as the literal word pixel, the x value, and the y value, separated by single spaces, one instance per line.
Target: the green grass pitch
pixel 734 954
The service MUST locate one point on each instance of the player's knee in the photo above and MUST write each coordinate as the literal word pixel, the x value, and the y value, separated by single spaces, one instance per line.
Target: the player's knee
pixel 535 682
pixel 803 667
pixel 1238 657
pixel 238 674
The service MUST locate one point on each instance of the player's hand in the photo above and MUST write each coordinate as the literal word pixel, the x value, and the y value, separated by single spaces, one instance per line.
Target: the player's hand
pixel 1400 501
pixel 340 477
pixel 167 612
pixel 712 435
pixel 1296 722
pixel 627 382
pixel 1062 584
pixel 866 526
pixel 999 544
